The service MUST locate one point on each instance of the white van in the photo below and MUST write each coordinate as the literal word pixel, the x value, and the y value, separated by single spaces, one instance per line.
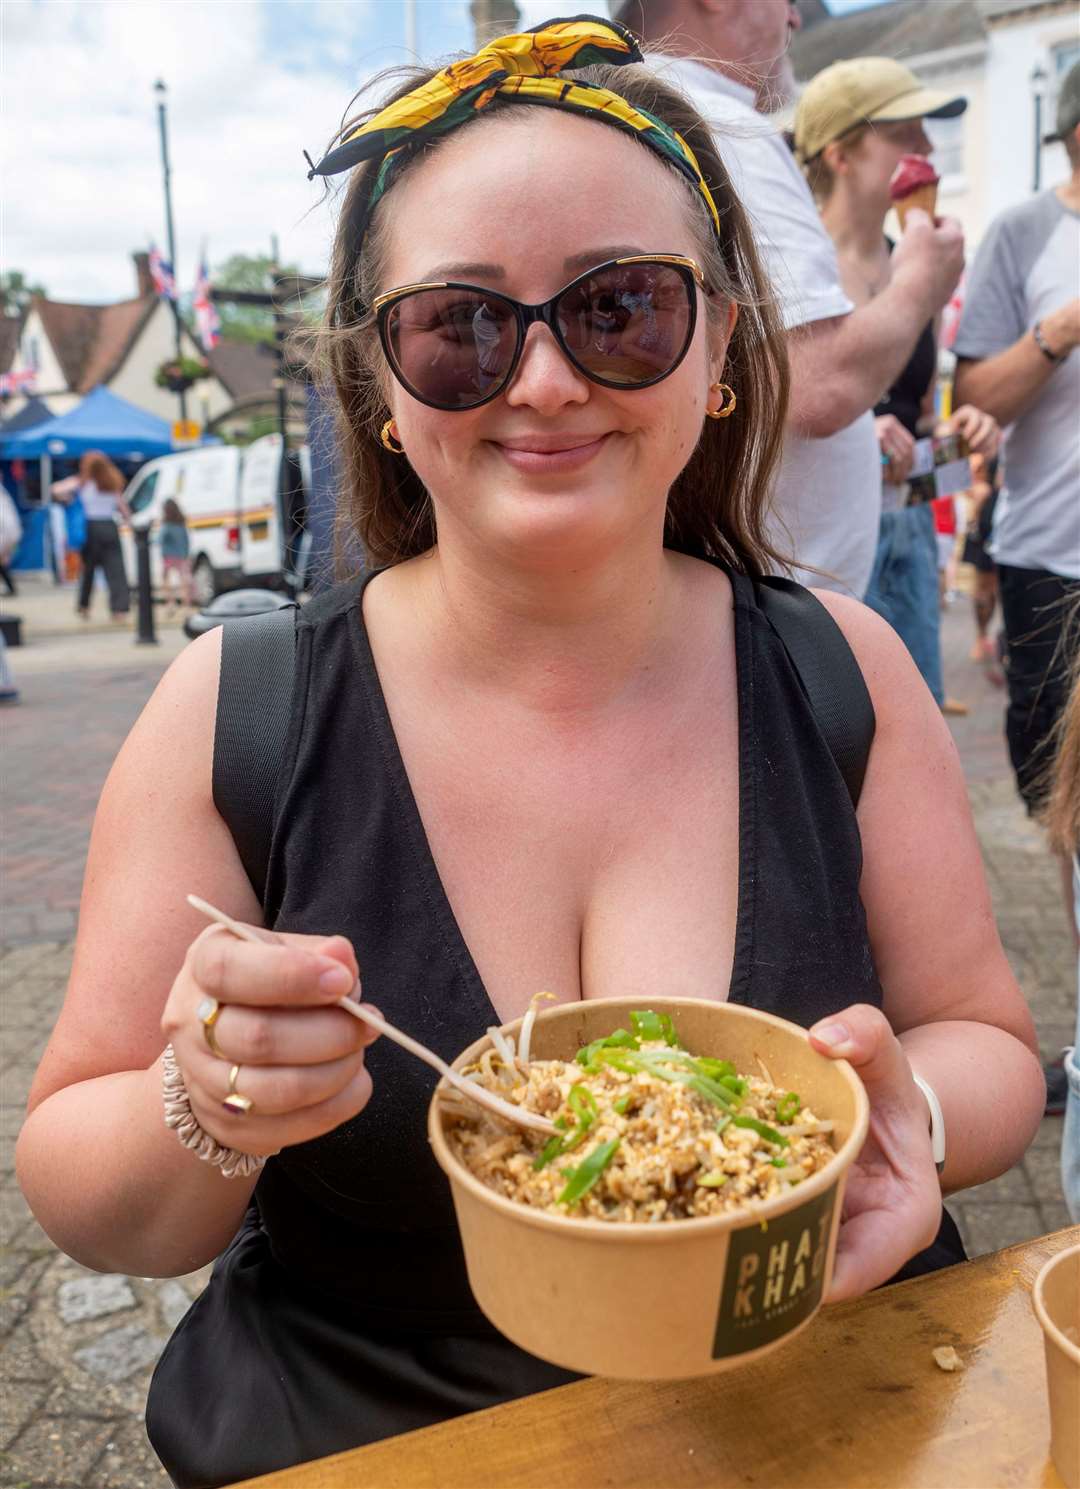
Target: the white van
pixel 245 525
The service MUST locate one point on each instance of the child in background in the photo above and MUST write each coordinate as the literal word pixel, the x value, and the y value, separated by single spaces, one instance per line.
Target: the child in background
pixel 983 496
pixel 175 554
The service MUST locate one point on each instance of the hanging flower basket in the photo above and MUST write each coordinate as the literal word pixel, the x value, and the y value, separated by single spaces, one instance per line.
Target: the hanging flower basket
pixel 180 373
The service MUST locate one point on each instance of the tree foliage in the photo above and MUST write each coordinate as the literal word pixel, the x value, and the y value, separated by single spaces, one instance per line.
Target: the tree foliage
pixel 247 272
pixel 16 292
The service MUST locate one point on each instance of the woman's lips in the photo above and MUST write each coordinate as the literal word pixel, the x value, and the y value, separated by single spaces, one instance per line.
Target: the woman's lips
pixel 547 455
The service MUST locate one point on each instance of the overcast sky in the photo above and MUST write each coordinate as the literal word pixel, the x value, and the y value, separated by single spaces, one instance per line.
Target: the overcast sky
pixel 251 84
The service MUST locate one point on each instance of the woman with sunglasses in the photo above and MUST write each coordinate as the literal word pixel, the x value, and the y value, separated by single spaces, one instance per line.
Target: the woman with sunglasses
pixel 548 740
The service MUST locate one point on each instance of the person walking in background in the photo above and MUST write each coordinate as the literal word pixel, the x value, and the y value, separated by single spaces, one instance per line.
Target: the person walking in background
pixel 854 124
pixel 10 533
pixel 9 693
pixel 982 499
pixel 1017 349
pixel 99 487
pixel 175 546
pixel 1062 818
pixel 732 61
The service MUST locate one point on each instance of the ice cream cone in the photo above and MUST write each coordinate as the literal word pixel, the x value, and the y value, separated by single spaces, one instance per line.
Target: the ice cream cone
pixel 923 197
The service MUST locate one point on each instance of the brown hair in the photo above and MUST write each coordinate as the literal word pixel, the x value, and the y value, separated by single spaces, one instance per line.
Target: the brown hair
pixel 818 171
pixel 97 467
pixel 716 506
pixel 1061 813
pixel 170 511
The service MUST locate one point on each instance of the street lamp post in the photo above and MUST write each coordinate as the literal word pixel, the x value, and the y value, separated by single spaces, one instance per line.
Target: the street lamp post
pixel 159 90
pixel 1038 92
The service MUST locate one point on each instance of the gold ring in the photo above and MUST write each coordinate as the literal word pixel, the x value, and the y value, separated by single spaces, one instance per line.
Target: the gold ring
pixel 234 1102
pixel 208 1013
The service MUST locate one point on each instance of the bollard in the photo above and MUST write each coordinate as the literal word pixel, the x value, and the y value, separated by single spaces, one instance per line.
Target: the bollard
pixel 144 635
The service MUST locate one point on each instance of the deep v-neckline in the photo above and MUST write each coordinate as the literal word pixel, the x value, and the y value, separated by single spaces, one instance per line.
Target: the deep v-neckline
pixel 438 901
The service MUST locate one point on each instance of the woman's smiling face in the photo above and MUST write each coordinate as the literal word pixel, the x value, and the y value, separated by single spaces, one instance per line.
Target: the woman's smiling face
pixel 557 467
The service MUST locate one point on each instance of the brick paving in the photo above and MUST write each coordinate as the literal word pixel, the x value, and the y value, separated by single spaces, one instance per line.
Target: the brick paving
pixel 77 1349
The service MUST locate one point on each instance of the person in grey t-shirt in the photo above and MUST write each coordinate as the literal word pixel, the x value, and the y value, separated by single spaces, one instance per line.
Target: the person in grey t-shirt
pixel 1019 359
pixel 1019 350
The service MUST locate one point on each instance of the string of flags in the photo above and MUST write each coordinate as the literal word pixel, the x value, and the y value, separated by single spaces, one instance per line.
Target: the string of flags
pixel 206 317
pixel 17 382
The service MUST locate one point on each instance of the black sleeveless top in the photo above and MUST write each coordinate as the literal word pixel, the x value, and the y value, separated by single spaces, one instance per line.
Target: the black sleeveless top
pixel 342 1311
pixel 904 398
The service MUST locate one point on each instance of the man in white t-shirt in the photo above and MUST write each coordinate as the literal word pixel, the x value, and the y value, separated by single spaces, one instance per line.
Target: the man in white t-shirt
pixel 730 56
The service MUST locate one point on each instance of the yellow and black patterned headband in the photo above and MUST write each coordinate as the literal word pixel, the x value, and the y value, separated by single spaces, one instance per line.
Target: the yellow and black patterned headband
pixel 517 69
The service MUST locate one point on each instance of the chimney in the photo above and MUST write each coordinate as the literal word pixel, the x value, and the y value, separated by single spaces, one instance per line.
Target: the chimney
pixel 144 284
pixel 493 18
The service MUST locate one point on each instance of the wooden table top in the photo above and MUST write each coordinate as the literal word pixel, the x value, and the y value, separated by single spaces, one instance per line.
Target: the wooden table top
pixel 854 1400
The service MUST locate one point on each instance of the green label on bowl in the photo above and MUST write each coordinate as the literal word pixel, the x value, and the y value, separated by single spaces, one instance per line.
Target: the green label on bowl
pixel 775 1273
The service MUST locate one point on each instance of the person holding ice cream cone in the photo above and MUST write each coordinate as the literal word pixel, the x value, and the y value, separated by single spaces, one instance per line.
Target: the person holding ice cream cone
pixel 860 136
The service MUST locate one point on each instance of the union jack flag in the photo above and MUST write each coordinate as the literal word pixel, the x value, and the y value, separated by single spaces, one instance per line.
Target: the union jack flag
pixel 17 382
pixel 161 272
pixel 206 316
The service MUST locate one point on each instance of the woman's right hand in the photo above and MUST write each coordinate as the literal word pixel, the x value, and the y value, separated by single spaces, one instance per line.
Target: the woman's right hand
pixel 897 444
pixel 301 1059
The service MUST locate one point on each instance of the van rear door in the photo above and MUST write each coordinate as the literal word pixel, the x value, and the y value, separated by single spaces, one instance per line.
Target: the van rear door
pixel 260 534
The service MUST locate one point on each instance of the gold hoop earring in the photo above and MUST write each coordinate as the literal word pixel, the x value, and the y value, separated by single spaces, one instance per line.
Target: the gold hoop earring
pixel 729 406
pixel 386 435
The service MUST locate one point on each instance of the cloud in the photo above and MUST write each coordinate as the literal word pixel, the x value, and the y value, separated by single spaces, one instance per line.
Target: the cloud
pixel 250 85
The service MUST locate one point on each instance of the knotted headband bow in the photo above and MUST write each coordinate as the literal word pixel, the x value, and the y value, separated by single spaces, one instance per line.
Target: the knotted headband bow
pixel 518 68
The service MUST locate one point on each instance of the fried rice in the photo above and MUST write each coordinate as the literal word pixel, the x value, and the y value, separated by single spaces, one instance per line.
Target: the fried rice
pixel 646 1132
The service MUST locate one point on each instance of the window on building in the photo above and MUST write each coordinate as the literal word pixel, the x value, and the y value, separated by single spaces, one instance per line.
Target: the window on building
pixel 947 138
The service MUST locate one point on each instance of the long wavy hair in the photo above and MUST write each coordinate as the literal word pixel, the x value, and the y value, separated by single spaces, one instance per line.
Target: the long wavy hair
pixel 717 505
pixel 97 467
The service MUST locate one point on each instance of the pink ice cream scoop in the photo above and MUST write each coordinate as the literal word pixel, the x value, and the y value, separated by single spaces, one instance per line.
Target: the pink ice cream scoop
pixel 914 183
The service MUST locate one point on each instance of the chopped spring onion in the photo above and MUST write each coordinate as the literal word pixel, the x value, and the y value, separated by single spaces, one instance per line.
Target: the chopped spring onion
pixel 588 1171
pixel 551 1149
pixel 621 1105
pixel 655 1064
pixel 762 1129
pixel 788 1108
pixel 713 1180
pixel 582 1103
pixel 618 1039
pixel 723 1122
pixel 717 1070
pixel 649 1025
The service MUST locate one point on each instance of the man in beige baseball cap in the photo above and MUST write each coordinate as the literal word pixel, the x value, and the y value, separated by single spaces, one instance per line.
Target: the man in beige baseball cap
pixel 864 90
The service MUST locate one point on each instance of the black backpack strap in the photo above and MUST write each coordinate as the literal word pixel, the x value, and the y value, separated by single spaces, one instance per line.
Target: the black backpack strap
pixel 830 674
pixel 258 653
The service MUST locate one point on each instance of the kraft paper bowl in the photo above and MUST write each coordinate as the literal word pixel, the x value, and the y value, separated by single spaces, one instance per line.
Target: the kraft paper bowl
pixel 1056 1298
pixel 683 1298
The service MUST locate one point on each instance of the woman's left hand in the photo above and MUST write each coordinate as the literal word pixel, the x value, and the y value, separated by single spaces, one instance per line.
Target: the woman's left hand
pixel 892 1203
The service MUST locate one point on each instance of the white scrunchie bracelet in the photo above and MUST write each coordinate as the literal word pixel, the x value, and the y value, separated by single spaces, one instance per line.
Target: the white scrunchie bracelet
pixel 180 1117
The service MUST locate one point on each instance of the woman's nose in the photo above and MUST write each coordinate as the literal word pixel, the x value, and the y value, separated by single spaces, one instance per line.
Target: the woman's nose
pixel 545 379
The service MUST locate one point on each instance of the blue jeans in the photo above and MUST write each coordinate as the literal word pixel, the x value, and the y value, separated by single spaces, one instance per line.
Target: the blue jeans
pixel 904 588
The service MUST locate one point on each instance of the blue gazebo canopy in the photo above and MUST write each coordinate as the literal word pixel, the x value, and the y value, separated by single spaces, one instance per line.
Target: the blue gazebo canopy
pixel 101 422
pixel 34 411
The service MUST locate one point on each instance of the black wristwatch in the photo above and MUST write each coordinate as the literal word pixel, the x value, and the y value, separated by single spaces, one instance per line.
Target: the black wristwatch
pixel 1040 341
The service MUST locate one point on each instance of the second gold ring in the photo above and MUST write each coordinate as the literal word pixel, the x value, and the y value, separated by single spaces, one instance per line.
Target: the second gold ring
pixel 235 1102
